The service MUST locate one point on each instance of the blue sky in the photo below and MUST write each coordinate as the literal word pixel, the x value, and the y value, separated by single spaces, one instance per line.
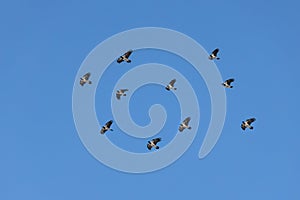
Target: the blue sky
pixel 42 47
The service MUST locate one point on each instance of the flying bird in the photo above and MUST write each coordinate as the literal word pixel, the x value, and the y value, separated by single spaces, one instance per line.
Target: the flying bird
pixel 85 79
pixel 185 124
pixel 106 127
pixel 125 57
pixel 153 143
pixel 247 123
pixel 170 86
pixel 120 93
pixel 228 82
pixel 214 55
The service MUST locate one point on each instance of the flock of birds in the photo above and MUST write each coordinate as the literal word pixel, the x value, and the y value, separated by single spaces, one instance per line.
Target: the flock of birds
pixel 171 86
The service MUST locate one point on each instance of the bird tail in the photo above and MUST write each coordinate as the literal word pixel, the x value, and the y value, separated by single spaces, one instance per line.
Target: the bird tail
pixel 218 58
pixel 167 88
pixel 231 86
pixel 157 147
pixel 129 61
pixel 111 129
pixel 189 127
pixel 90 82
pixel 124 94
pixel 175 88
pixel 251 127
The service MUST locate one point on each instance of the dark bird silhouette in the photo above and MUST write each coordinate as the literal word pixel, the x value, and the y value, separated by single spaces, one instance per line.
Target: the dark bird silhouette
pixel 153 143
pixel 185 124
pixel 214 55
pixel 106 127
pixel 85 79
pixel 247 123
pixel 120 93
pixel 125 57
pixel 228 82
pixel 170 86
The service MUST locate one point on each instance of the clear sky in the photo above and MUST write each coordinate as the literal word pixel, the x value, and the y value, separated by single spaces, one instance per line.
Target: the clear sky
pixel 43 45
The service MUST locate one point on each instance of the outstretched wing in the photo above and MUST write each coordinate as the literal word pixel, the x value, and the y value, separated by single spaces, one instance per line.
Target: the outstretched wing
pixel 123 90
pixel 186 121
pixel 249 121
pixel 87 76
pixel 118 95
pixel 149 146
pixel 229 81
pixel 102 131
pixel 172 82
pixel 127 54
pixel 82 82
pixel 156 140
pixel 243 126
pixel 215 52
pixel 181 128
pixel 109 123
pixel 120 59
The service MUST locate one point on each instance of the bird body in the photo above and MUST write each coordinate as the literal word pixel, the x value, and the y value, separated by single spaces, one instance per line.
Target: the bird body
pixel 125 57
pixel 247 123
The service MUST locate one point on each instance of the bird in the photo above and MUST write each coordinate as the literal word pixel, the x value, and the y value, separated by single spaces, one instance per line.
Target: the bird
pixel 247 123
pixel 120 93
pixel 153 143
pixel 170 86
pixel 185 124
pixel 213 55
pixel 125 57
pixel 228 82
pixel 85 79
pixel 106 127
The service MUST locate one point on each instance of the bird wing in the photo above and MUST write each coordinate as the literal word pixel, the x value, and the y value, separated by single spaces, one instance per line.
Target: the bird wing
pixel 181 128
pixel 249 121
pixel 87 76
pixel 243 126
pixel 82 82
pixel 186 121
pixel 172 82
pixel 123 90
pixel 229 81
pixel 127 54
pixel 118 95
pixel 156 140
pixel 120 59
pixel 109 123
pixel 215 52
pixel 149 146
pixel 102 131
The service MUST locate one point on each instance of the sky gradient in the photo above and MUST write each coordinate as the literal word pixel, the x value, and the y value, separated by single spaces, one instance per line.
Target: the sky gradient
pixel 42 47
